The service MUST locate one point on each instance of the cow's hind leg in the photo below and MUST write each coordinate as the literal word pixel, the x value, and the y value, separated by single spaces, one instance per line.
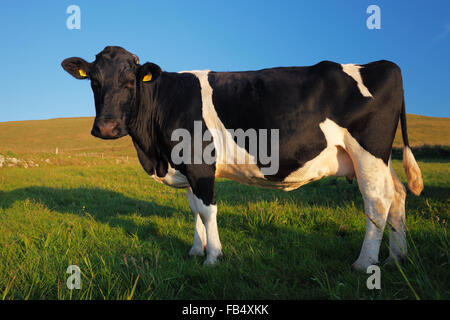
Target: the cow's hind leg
pixel 396 221
pixel 377 188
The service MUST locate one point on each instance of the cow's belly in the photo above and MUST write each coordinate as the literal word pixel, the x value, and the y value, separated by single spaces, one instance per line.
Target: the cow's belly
pixel 332 161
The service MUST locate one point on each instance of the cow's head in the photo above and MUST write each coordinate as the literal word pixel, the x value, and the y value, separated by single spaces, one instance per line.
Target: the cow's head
pixel 115 76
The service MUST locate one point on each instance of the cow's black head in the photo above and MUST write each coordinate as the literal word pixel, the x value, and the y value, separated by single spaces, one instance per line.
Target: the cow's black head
pixel 115 79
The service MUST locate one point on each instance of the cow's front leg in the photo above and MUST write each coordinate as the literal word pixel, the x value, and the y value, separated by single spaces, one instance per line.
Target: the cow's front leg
pixel 199 245
pixel 204 202
pixel 208 214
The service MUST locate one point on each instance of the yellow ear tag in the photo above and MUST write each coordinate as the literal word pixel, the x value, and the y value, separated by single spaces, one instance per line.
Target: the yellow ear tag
pixel 82 73
pixel 147 77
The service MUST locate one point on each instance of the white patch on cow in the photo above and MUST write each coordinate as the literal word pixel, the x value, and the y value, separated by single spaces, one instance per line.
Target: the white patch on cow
pixel 332 161
pixel 208 216
pixel 173 178
pixel 227 151
pixel 353 71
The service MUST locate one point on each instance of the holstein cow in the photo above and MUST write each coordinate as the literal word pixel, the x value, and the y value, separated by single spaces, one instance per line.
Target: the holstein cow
pixel 331 119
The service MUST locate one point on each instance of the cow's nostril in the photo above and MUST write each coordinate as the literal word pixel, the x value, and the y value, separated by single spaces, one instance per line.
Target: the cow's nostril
pixel 95 132
pixel 107 129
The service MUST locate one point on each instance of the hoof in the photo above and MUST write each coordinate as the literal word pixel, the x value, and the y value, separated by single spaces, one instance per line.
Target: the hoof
pixel 213 261
pixel 196 252
pixel 361 266
pixel 392 261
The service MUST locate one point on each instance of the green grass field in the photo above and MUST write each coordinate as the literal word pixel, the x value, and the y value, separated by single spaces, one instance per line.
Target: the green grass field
pixel 92 205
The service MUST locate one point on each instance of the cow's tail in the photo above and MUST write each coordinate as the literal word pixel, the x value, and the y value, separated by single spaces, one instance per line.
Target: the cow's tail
pixel 412 170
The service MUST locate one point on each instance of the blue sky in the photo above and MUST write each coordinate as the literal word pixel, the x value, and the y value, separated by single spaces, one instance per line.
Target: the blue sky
pixel 217 35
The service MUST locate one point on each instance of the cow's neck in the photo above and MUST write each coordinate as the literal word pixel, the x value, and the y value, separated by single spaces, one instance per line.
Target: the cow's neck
pixel 146 132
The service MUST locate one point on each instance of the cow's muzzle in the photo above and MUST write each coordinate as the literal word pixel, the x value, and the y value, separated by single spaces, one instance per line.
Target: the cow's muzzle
pixel 108 130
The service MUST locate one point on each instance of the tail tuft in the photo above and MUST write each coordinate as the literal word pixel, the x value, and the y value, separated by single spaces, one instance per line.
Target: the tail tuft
pixel 412 170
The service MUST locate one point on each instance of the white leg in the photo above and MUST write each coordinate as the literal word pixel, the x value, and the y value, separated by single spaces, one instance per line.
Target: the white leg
pixel 375 222
pixel 378 191
pixel 396 220
pixel 208 215
pixel 213 245
pixel 377 188
pixel 199 244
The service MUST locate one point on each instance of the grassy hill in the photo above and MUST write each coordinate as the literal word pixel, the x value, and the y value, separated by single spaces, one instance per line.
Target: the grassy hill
pixel 423 130
pixel 72 135
pixel 66 134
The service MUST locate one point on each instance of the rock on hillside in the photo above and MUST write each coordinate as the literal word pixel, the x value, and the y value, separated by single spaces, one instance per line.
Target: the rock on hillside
pixel 14 162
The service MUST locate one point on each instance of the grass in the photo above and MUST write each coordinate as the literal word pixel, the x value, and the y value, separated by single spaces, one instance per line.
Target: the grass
pixel 130 236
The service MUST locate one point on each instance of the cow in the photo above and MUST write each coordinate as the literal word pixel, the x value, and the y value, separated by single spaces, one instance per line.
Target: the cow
pixel 331 119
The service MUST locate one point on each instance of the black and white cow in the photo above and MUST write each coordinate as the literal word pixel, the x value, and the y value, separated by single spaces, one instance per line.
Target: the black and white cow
pixel 332 120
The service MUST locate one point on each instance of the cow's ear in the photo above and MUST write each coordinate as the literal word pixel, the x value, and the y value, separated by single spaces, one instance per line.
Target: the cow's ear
pixel 149 72
pixel 77 67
